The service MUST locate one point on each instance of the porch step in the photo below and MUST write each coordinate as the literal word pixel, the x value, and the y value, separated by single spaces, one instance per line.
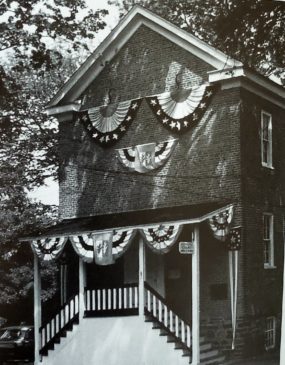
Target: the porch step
pixel 208 355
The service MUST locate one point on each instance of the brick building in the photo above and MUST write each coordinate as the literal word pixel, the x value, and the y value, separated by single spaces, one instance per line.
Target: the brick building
pixel 171 201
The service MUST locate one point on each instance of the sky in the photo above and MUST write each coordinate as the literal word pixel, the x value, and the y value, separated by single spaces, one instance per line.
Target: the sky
pixel 49 194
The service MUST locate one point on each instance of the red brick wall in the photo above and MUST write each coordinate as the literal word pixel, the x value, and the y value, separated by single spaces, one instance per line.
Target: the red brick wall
pixel 263 190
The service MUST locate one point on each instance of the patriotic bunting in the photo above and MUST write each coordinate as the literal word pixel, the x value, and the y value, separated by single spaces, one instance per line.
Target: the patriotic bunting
pixel 83 246
pixel 146 157
pixel 49 248
pixel 234 245
pixel 161 237
pixel 179 110
pixel 122 241
pixel 220 222
pixel 107 124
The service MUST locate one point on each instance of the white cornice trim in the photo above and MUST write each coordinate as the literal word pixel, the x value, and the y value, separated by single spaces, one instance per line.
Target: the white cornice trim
pixel 257 84
pixel 118 38
pixel 74 107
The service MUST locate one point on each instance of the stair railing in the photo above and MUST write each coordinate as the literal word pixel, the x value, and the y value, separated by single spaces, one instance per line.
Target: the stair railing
pixel 112 301
pixel 67 314
pixel 157 308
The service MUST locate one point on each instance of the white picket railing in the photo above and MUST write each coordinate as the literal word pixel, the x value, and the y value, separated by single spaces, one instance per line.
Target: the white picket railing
pixel 156 306
pixel 65 315
pixel 112 299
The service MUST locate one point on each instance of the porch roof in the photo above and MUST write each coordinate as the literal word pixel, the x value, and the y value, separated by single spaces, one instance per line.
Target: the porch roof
pixel 186 214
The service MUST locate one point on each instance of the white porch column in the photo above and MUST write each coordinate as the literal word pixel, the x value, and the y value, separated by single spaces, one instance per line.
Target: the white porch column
pixel 82 285
pixel 141 277
pixel 37 308
pixel 196 298
pixel 282 344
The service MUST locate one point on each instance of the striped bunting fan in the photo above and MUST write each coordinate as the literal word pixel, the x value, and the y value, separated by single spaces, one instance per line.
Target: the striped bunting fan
pixel 107 124
pixel 83 246
pixel 146 157
pixel 220 224
pixel 121 241
pixel 180 109
pixel 49 248
pixel 162 237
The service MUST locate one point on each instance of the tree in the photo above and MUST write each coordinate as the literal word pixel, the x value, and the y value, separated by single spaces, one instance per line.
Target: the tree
pixel 250 31
pixel 39 43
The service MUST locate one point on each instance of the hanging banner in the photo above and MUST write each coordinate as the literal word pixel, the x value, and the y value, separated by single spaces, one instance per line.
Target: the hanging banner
pixel 162 237
pixel 234 245
pixel 107 124
pixel 220 224
pixel 103 248
pixel 121 241
pixel 146 157
pixel 49 248
pixel 179 110
pixel 83 246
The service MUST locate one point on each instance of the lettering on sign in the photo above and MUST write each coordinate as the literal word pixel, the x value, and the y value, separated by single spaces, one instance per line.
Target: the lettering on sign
pixel 186 248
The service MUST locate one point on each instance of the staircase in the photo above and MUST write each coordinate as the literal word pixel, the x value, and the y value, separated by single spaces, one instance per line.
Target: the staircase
pixel 57 328
pixel 122 303
pixel 176 330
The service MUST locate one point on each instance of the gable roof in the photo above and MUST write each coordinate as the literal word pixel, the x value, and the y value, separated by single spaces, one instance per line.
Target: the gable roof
pixel 228 70
pixel 120 35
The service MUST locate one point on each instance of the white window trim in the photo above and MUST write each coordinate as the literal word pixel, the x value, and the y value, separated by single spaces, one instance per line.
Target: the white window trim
pixel 272 319
pixel 269 163
pixel 270 264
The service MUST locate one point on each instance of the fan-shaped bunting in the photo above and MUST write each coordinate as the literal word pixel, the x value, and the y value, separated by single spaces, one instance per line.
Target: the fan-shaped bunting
pixel 83 246
pixel 161 237
pixel 220 224
pixel 146 157
pixel 180 109
pixel 106 124
pixel 121 241
pixel 49 248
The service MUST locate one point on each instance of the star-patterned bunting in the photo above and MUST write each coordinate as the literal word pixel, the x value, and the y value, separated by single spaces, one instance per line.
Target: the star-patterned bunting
pixel 234 240
pixel 107 124
pixel 180 110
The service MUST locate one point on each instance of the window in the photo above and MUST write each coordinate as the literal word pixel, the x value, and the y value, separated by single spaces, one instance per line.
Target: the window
pixel 270 333
pixel 266 139
pixel 268 244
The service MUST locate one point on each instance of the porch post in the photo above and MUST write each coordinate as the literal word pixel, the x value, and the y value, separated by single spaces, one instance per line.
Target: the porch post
pixel 141 277
pixel 82 285
pixel 196 299
pixel 282 344
pixel 37 308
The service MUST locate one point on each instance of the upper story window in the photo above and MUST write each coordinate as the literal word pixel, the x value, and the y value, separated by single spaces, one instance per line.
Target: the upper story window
pixel 270 333
pixel 266 139
pixel 268 242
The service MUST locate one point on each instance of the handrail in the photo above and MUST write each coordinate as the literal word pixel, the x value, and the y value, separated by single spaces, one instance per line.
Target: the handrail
pixel 66 315
pixel 157 308
pixel 162 299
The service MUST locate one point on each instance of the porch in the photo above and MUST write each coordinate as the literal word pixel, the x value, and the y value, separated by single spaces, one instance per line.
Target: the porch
pixel 147 290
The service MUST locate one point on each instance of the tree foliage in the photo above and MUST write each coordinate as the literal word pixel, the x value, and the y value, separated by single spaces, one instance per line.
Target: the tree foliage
pixel 250 31
pixel 41 42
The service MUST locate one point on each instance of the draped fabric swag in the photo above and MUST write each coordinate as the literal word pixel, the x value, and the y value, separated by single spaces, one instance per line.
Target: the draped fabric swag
pixel 49 248
pixel 107 124
pixel 161 238
pixel 146 157
pixel 179 110
pixel 220 224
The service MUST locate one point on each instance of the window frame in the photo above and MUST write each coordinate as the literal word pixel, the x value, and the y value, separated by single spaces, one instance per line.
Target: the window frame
pixel 269 157
pixel 268 242
pixel 270 333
